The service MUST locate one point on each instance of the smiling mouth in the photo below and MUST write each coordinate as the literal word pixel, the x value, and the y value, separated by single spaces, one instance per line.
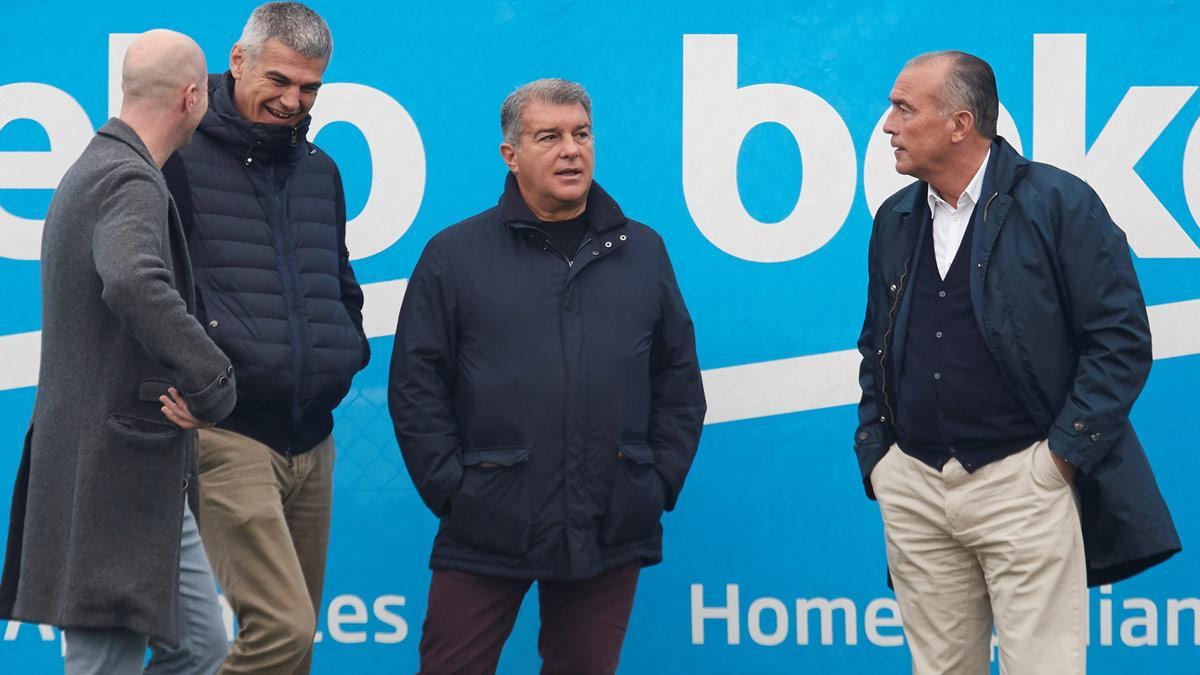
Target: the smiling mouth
pixel 569 173
pixel 278 115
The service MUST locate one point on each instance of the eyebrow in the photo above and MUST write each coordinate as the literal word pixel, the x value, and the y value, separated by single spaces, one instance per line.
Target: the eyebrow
pixel 555 130
pixel 276 75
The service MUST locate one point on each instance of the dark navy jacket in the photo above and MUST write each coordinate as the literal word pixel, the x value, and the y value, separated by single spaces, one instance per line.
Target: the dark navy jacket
pixel 547 412
pixel 1060 309
pixel 266 222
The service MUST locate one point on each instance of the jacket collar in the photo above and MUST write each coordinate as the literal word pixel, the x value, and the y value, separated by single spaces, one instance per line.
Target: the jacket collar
pixel 1006 168
pixel 119 130
pixel 602 211
pixel 270 143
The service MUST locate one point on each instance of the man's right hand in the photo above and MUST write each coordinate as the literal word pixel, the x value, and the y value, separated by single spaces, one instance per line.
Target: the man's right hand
pixel 176 409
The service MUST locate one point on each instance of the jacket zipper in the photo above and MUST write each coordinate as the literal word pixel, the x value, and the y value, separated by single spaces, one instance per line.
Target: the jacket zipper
pixel 887 336
pixel 570 261
pixel 988 205
pixel 287 271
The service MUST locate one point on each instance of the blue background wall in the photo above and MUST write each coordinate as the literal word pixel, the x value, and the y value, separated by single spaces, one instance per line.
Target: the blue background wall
pixel 774 505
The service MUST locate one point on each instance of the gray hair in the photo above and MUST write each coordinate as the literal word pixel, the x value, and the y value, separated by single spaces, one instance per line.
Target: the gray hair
pixel 970 85
pixel 548 90
pixel 296 26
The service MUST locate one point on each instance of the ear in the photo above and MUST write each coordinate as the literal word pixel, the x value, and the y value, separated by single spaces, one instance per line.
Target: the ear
pixel 237 61
pixel 191 98
pixel 964 124
pixel 509 154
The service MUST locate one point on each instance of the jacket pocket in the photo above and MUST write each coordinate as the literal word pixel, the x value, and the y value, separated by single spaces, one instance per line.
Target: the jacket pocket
pixel 151 388
pixel 136 432
pixel 491 510
pixel 637 499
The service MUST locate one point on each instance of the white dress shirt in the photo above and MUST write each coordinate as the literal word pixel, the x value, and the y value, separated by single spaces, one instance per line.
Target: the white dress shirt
pixel 950 222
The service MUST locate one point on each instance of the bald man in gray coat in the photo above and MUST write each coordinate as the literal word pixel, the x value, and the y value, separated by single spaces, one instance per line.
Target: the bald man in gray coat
pixel 101 542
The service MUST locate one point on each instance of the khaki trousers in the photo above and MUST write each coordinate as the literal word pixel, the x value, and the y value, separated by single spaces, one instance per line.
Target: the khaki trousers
pixel 265 524
pixel 1000 546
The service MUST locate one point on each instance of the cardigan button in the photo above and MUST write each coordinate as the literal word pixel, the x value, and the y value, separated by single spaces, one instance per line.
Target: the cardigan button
pixel 1078 425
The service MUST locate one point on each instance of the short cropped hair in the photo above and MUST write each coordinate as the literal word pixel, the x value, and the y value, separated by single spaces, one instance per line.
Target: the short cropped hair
pixel 970 85
pixel 548 90
pixel 291 23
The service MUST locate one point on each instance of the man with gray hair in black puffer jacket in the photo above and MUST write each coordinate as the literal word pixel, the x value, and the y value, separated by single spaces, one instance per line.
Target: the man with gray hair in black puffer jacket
pixel 266 217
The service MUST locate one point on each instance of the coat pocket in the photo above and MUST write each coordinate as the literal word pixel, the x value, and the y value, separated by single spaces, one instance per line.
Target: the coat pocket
pixel 637 499
pixel 491 510
pixel 136 432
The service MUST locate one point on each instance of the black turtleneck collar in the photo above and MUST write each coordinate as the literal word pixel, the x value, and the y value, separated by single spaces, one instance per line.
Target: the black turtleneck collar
pixel 271 143
pixel 601 211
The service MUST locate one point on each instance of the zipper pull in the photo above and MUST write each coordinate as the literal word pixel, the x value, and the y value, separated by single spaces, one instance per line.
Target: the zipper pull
pixel 294 136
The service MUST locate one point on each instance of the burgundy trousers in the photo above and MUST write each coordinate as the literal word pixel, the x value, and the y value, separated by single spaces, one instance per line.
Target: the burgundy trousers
pixel 583 622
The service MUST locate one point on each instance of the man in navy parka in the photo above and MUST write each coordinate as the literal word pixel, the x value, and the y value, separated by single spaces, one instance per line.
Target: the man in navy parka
pixel 547 400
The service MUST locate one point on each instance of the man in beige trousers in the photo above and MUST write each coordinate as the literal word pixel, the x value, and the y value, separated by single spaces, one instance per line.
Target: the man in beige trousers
pixel 266 217
pixel 1005 341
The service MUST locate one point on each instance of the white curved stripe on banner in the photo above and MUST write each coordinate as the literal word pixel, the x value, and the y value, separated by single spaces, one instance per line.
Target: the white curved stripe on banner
pixel 734 393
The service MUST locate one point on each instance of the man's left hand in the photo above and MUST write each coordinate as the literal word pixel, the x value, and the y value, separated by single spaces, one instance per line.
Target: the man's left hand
pixel 1064 468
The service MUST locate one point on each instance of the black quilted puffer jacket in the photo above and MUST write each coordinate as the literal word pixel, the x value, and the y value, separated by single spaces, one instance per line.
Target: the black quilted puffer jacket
pixel 266 222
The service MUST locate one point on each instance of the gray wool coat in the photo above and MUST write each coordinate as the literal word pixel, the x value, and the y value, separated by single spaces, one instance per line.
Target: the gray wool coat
pixel 93 538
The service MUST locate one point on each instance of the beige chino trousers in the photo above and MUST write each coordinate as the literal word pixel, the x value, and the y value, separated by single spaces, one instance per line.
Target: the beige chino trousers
pixel 1001 546
pixel 265 524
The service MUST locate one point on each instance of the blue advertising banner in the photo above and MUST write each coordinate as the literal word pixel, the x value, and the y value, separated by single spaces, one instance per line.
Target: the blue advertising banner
pixel 748 134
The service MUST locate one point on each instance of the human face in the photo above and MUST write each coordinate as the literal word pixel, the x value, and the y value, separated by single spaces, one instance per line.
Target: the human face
pixel 278 87
pixel 921 132
pixel 553 159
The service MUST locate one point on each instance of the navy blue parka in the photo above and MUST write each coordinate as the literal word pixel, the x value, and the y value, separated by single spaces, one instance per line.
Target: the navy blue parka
pixel 548 411
pixel 1058 304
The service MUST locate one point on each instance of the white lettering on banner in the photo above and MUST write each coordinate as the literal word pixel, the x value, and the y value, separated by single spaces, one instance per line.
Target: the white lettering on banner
pixel 118 44
pixel 46 633
pixel 338 619
pixel 1174 609
pixel 1147 623
pixel 1191 171
pixel 1059 138
pixel 1140 628
pixel 396 151
pixel 343 612
pixel 1139 625
pixel 69 130
pixel 874 622
pixel 383 611
pixel 717 115
pixel 397 163
pixel 754 621
pixel 730 613
pixel 826 608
